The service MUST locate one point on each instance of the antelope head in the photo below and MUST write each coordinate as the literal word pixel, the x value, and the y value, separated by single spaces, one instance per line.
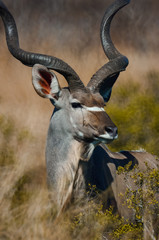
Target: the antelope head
pixel 79 109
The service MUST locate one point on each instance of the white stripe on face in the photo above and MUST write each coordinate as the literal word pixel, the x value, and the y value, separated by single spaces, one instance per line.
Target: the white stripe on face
pixel 94 109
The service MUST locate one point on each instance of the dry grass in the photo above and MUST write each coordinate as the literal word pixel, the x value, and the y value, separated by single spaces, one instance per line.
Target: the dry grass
pixel 25 208
pixel 26 211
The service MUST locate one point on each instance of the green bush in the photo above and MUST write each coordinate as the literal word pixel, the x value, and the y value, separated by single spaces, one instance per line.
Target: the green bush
pixel 92 221
pixel 135 111
pixel 7 152
pixel 10 139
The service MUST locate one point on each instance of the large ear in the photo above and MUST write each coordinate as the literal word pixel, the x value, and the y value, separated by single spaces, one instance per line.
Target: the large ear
pixel 45 82
pixel 106 86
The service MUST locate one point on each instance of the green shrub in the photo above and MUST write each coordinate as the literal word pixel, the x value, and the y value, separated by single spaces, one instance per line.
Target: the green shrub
pixel 21 194
pixel 143 197
pixel 7 130
pixel 135 110
pixel 10 139
pixel 94 223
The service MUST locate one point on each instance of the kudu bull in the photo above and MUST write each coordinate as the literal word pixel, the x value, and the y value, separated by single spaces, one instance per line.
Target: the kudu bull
pixel 79 127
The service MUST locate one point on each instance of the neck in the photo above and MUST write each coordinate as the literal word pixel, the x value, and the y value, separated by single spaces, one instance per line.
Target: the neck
pixel 63 154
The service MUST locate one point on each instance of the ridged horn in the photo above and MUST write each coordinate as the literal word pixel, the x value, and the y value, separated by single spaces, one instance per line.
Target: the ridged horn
pixel 29 58
pixel 106 76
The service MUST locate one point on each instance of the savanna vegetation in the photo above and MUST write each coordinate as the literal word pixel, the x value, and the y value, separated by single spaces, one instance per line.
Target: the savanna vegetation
pixel 135 109
pixel 25 208
pixel 26 211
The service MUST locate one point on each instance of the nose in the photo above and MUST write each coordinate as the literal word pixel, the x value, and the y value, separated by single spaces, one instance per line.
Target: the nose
pixel 112 131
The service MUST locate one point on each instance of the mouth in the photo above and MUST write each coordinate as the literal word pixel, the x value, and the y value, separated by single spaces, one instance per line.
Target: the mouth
pixel 106 138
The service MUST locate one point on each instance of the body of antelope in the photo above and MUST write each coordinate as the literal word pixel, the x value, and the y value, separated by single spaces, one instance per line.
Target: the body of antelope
pixel 79 127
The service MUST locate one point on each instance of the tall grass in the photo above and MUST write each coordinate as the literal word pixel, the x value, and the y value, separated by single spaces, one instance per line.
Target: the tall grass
pixel 26 210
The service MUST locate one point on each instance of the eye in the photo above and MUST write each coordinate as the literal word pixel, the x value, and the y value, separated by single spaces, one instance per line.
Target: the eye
pixel 76 105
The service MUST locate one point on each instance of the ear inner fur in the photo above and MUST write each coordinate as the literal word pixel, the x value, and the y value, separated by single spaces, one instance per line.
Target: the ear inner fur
pixel 45 82
pixel 47 76
pixel 45 85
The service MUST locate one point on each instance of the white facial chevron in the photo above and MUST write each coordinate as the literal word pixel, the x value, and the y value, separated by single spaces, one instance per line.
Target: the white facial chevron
pixel 94 109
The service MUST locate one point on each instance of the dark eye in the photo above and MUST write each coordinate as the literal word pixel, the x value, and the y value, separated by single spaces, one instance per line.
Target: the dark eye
pixel 76 105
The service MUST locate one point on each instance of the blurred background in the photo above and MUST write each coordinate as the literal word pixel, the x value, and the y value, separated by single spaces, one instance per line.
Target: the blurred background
pixel 70 30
